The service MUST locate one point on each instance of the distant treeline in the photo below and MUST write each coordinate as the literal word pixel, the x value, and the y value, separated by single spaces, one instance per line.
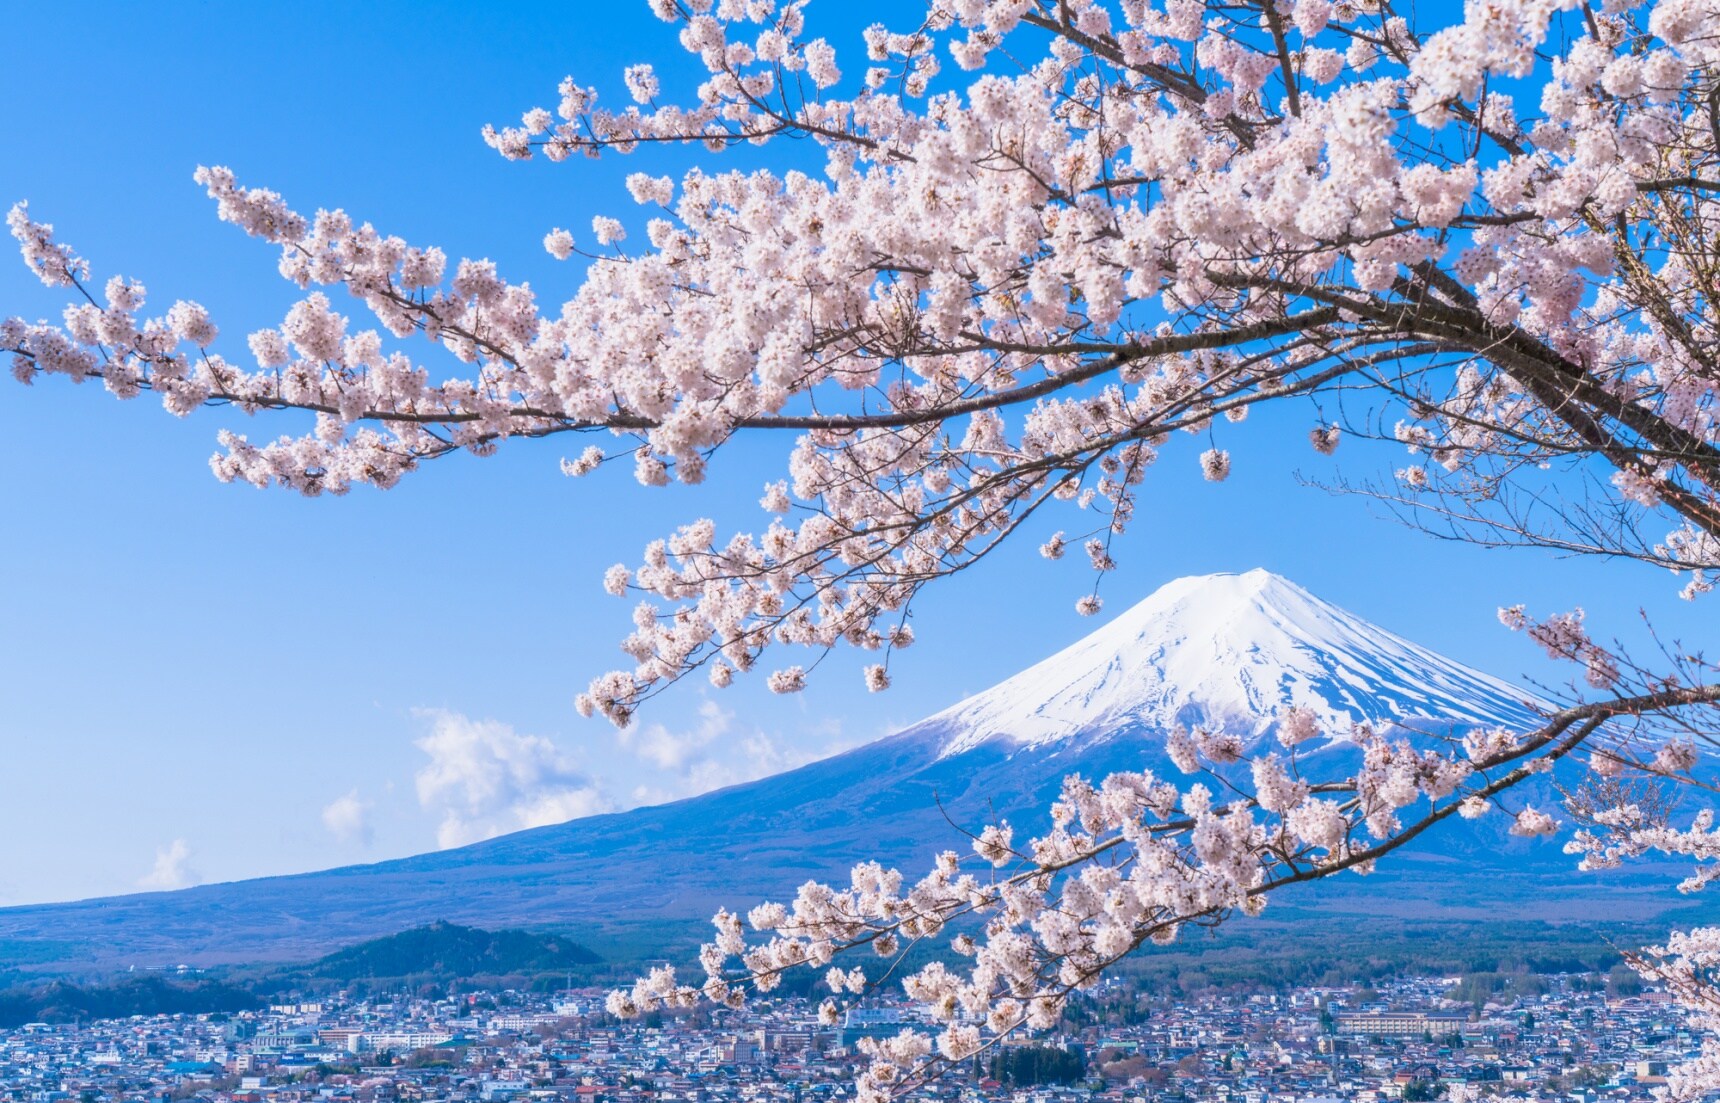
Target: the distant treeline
pixel 1301 954
pixel 1504 959
pixel 1495 960
pixel 429 959
pixel 58 1002
pixel 1502 987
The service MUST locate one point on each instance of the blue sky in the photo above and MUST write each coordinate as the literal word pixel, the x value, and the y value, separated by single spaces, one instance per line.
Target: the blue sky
pixel 207 682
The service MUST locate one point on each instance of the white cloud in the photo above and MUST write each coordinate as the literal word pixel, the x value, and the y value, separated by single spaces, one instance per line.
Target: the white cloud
pixel 348 819
pixel 669 750
pixel 561 805
pixel 713 755
pixel 172 868
pixel 484 779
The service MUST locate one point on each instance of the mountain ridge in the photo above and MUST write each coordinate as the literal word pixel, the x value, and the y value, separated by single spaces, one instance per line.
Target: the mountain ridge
pixel 1216 648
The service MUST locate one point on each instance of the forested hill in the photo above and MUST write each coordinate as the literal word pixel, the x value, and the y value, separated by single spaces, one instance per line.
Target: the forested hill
pixel 438 954
pixel 447 950
pixel 58 1002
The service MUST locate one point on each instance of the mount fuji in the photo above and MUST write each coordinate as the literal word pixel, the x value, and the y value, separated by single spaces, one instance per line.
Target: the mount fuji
pixel 1223 649
pixel 1227 650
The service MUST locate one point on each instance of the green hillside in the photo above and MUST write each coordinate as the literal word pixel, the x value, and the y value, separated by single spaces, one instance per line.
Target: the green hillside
pixel 448 950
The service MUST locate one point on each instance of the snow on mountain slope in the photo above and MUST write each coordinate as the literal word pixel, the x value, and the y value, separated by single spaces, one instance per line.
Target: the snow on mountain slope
pixel 1231 650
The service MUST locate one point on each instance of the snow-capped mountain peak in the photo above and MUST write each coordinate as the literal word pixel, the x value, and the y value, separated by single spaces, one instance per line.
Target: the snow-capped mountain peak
pixel 1231 650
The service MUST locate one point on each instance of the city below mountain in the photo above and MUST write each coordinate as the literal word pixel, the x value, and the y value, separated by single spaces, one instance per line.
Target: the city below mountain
pixel 1230 649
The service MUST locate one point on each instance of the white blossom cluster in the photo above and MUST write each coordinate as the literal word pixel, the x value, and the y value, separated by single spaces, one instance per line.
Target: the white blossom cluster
pixel 1685 966
pixel 1627 832
pixel 1138 858
pixel 992 293
pixel 995 291
pixel 1133 859
pixel 1563 636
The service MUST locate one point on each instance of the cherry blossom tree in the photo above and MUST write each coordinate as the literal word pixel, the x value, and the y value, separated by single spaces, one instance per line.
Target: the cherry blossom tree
pixel 1006 288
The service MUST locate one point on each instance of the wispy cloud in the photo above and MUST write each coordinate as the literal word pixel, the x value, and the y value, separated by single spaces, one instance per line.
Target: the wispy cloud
pixel 484 779
pixel 172 868
pixel 348 819
pixel 714 755
pixel 675 751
